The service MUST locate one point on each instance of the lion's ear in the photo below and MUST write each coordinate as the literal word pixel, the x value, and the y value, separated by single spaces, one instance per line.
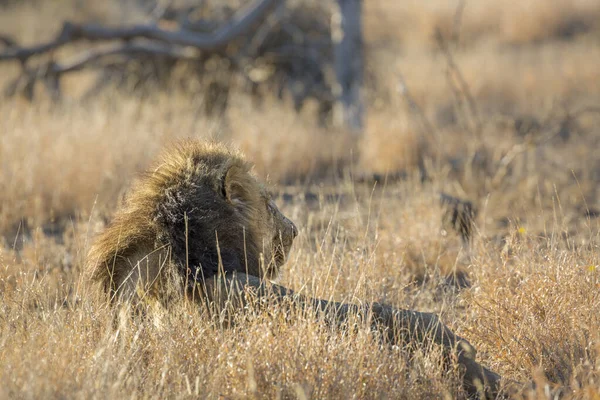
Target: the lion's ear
pixel 235 186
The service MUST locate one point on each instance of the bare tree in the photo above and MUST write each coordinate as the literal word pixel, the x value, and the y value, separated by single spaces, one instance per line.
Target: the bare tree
pixel 268 43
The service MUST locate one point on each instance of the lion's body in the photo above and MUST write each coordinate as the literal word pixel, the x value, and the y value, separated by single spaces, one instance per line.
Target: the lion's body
pixel 198 211
pixel 201 217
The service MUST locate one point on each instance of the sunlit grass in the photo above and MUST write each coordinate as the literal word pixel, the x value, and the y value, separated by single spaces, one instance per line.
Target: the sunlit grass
pixel 532 275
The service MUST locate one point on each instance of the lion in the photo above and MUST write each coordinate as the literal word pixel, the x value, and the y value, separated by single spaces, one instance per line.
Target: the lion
pixel 201 222
pixel 197 211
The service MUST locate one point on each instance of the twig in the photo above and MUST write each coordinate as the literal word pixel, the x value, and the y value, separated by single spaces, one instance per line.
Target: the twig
pixel 81 61
pixel 464 89
pixel 426 126
pixel 586 110
pixel 7 41
pixel 458 16
pixel 429 134
pixel 161 9
pixel 52 70
pixel 263 32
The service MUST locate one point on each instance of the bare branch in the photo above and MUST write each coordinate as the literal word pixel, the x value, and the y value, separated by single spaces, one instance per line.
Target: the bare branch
pixel 465 91
pixel 458 18
pixel 23 54
pixel 7 41
pixel 427 127
pixel 261 32
pixel 52 71
pixel 238 25
pixel 79 62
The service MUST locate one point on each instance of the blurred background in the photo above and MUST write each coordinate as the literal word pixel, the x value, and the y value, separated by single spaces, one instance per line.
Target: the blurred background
pixel 484 95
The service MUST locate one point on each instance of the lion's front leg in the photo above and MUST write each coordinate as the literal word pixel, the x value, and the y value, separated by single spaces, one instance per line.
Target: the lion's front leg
pixel 231 292
pixel 409 326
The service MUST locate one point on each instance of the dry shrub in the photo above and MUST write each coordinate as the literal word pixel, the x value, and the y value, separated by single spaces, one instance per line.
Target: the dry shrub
pixel 535 307
pixel 55 349
pixel 386 244
pixel 413 23
pixel 278 142
pixel 418 261
pixel 535 20
pixel 502 82
pixel 59 161
pixel 58 336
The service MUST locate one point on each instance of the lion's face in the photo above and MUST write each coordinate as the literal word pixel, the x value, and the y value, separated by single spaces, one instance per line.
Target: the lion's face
pixel 279 234
pixel 267 234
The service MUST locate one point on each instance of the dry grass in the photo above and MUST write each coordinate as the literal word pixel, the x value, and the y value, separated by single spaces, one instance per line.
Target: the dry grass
pixel 534 266
pixel 529 21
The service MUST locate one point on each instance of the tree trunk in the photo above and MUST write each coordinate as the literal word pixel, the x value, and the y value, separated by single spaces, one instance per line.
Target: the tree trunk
pixel 346 30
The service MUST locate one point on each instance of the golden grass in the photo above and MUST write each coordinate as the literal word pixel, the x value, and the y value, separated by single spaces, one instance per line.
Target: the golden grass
pixel 534 266
pixel 414 22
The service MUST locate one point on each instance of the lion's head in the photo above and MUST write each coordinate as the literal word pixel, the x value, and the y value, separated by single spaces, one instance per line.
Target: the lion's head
pixel 200 211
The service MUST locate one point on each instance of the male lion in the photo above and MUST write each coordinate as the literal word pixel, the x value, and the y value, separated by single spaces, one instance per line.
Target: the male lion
pixel 200 222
